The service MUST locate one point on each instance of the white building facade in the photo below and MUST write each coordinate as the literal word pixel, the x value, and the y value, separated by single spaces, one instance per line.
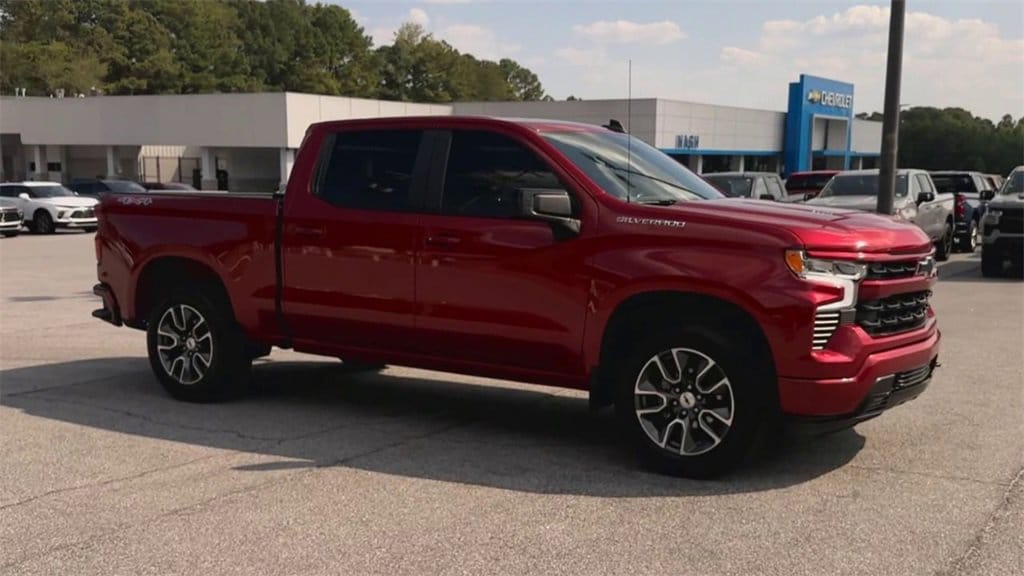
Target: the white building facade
pixel 248 141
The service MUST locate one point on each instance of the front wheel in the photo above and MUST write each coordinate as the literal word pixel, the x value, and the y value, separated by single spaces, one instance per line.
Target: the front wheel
pixel 991 262
pixel 195 349
pixel 944 246
pixel 11 234
pixel 89 229
pixel 43 222
pixel 690 403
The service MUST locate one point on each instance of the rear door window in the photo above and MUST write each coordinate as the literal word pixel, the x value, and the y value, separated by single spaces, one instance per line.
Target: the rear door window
pixel 773 187
pixel 759 189
pixel 370 170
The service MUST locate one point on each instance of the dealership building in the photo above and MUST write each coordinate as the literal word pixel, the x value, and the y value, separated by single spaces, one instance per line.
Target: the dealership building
pixel 248 141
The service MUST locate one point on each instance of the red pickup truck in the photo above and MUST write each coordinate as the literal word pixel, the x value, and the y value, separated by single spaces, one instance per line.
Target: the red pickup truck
pixel 539 251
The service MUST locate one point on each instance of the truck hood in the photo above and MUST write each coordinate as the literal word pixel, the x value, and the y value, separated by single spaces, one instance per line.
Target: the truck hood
pixel 855 202
pixel 70 201
pixel 821 228
pixel 1006 201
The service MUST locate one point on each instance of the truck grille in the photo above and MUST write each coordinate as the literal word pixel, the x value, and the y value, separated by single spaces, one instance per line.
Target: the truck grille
pixel 881 399
pixel 10 216
pixel 825 324
pixel 1011 222
pixel 892 270
pixel 87 213
pixel 894 314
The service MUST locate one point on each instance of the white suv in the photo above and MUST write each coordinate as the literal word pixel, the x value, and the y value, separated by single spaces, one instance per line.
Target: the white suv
pixel 48 206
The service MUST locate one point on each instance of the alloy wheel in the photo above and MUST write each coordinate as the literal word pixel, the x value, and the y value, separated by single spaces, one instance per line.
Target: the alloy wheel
pixel 684 401
pixel 974 236
pixel 184 344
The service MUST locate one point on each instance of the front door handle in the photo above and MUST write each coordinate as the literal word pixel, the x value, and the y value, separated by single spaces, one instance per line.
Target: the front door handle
pixel 442 240
pixel 308 231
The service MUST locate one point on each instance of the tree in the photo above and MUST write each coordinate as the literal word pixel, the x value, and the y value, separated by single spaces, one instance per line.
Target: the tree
pixel 524 84
pixel 43 69
pixel 953 138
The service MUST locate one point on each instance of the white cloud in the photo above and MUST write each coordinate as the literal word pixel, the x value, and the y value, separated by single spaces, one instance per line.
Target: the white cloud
pixel 419 16
pixel 946 62
pixel 627 32
pixel 481 42
pixel 581 56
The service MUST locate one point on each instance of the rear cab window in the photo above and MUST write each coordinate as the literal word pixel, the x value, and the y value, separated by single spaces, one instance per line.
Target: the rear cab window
pixel 370 169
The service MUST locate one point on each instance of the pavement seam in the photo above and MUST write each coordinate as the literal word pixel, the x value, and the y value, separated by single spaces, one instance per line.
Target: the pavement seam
pixel 178 511
pixel 931 475
pixel 974 547
pixel 106 482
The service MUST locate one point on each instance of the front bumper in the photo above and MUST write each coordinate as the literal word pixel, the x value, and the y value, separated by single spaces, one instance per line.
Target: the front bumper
pixel 77 223
pixel 10 226
pixel 847 397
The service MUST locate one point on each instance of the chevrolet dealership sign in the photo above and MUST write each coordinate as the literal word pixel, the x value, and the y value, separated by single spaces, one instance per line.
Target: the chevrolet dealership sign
pixel 833 99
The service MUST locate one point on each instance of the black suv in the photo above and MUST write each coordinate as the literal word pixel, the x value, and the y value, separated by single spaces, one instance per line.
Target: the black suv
pixel 1002 227
pixel 96 186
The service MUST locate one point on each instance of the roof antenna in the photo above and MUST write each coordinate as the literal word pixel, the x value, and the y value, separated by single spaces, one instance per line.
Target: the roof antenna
pixel 629 126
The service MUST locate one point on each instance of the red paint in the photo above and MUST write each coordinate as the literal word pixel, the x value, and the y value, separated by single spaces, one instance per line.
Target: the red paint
pixel 506 298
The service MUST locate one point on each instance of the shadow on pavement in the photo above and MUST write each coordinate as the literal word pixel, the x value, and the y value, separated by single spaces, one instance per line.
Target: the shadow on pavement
pixel 311 414
pixel 969 270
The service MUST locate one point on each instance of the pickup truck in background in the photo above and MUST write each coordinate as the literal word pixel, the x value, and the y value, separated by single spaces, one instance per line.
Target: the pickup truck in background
pixel 916 201
pixel 540 251
pixel 756 185
pixel 802 186
pixel 971 190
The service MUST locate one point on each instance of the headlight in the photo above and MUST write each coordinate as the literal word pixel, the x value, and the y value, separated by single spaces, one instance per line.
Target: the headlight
pixel 811 268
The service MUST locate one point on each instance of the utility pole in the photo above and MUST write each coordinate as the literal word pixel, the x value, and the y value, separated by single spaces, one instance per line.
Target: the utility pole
pixel 891 114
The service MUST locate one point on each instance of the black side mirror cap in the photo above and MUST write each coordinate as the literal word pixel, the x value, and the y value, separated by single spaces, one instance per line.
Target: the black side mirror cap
pixel 925 197
pixel 550 205
pixel 766 197
pixel 987 194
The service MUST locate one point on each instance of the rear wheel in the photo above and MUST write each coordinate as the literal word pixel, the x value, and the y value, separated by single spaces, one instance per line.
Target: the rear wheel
pixel 944 246
pixel 691 404
pixel 991 262
pixel 43 222
pixel 195 350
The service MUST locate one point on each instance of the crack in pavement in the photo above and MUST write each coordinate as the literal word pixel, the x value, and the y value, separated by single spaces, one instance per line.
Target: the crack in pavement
pixel 59 386
pixel 930 475
pixel 248 489
pixel 974 546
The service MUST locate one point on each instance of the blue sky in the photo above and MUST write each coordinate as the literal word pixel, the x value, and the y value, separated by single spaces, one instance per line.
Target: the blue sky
pixel 967 53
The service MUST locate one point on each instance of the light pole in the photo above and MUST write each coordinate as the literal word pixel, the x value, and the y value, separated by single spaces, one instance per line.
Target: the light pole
pixel 891 113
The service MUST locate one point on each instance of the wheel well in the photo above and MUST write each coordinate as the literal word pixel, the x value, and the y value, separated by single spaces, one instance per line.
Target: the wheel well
pixel 43 210
pixel 642 313
pixel 163 275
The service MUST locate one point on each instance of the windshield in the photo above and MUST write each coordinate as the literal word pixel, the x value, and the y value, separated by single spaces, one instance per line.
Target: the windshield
pixel 952 183
pixel 618 163
pixel 123 186
pixel 807 181
pixel 1014 184
pixel 55 191
pixel 736 186
pixel 860 185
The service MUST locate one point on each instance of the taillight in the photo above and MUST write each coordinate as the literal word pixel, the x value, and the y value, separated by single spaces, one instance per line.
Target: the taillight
pixel 961 206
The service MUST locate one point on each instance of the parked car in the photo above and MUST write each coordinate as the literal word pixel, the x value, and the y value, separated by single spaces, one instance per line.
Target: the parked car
pixel 971 190
pixel 168 186
pixel 10 218
pixel 1002 227
pixel 47 206
pixel 802 186
pixel 96 186
pixel 916 201
pixel 532 250
pixel 756 185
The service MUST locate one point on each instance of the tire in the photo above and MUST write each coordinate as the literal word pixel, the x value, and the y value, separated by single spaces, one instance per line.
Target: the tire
pixel 43 222
pixel 196 350
pixel 89 230
pixel 654 414
pixel 11 234
pixel 991 263
pixel 356 366
pixel 944 245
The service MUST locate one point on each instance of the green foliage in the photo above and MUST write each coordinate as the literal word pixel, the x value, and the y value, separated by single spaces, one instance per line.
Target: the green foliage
pixel 195 46
pixel 953 138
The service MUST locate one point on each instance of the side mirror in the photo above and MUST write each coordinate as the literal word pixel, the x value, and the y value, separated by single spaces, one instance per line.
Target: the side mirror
pixel 23 196
pixel 987 194
pixel 550 205
pixel 808 196
pixel 925 197
pixel 766 197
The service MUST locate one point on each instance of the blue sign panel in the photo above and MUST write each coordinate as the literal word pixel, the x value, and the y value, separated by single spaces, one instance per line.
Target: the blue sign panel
pixel 809 97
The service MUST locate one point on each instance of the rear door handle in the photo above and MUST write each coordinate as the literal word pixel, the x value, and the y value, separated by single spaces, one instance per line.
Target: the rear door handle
pixel 308 231
pixel 442 240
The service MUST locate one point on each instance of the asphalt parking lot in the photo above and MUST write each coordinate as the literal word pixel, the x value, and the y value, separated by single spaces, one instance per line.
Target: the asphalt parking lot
pixel 413 472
